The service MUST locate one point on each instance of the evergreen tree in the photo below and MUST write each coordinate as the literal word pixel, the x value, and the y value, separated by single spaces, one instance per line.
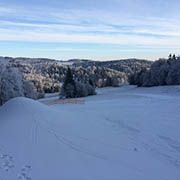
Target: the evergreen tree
pixel 91 82
pixel 109 81
pixel 174 57
pixel 69 77
pixel 69 86
pixel 170 56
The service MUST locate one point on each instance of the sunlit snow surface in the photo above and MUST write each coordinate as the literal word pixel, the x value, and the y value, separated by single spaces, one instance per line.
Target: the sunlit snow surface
pixel 123 133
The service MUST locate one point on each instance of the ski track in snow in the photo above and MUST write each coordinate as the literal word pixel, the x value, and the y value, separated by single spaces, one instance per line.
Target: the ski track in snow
pixel 63 140
pixel 132 128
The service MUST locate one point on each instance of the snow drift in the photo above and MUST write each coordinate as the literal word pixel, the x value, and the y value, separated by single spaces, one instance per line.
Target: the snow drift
pixel 122 133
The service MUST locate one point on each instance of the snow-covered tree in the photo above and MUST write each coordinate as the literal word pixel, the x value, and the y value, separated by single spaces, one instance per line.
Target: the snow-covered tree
pixel 11 84
pixel 30 90
pixel 162 72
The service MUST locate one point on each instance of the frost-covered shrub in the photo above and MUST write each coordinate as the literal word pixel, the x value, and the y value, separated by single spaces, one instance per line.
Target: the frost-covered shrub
pixel 90 89
pixel 81 90
pixel 11 84
pixel 73 89
pixel 69 91
pixel 84 89
pixel 30 90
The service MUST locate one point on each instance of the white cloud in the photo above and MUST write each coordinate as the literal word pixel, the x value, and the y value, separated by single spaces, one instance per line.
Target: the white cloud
pixel 85 26
pixel 121 39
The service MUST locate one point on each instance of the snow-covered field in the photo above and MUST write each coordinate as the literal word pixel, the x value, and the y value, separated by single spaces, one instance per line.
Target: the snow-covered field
pixel 125 133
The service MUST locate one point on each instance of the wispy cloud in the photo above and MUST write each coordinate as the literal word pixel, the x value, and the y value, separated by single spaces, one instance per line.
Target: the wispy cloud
pixel 69 23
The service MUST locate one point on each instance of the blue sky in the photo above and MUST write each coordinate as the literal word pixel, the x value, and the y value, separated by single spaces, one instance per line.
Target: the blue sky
pixel 92 29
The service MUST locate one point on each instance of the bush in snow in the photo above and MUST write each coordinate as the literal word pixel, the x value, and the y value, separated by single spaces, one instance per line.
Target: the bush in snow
pixel 30 90
pixel 84 89
pixel 11 84
pixel 72 88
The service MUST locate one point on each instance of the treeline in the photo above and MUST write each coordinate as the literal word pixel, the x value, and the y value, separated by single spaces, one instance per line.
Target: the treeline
pixel 34 77
pixel 161 72
pixel 127 66
pixel 48 75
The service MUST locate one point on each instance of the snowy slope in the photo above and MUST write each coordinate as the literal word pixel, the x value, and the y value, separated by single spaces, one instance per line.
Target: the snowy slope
pixel 122 133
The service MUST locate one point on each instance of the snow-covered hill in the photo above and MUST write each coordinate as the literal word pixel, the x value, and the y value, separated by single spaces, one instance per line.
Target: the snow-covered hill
pixel 124 133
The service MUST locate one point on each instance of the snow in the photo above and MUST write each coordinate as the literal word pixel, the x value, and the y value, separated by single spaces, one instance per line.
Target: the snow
pixel 124 133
